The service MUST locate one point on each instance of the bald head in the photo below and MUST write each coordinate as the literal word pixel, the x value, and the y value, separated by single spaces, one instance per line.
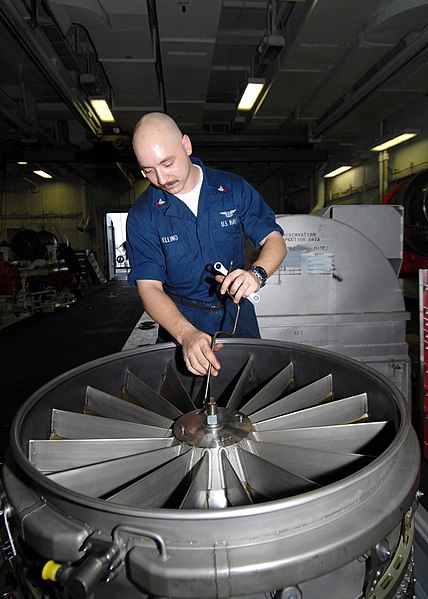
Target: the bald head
pixel 163 153
pixel 156 123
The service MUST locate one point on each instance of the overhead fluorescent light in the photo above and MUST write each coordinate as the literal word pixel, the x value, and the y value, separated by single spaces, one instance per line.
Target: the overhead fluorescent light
pixel 43 174
pixel 394 141
pixel 337 171
pixel 22 162
pixel 103 110
pixel 251 93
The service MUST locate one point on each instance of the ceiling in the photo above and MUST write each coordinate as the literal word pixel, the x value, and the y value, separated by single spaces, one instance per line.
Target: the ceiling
pixel 332 67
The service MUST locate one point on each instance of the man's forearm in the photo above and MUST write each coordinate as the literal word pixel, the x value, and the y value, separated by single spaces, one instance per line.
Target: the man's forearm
pixel 272 253
pixel 162 309
pixel 197 352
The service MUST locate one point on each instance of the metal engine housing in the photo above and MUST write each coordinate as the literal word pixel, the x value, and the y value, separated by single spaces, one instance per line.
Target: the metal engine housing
pixel 336 538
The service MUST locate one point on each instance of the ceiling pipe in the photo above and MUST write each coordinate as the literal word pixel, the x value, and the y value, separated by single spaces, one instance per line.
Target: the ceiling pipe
pixel 153 16
pixel 411 49
pixel 36 46
pixel 15 115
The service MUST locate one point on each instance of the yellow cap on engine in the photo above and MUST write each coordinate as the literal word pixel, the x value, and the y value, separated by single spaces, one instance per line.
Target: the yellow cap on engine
pixel 50 570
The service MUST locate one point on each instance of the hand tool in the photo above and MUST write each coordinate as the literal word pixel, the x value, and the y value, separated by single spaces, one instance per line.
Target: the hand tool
pixel 219 267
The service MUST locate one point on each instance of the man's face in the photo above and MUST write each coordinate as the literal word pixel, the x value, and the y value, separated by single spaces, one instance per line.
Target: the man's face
pixel 165 161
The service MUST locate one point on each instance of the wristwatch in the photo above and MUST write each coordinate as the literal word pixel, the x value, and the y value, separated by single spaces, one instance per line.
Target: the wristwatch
pixel 260 273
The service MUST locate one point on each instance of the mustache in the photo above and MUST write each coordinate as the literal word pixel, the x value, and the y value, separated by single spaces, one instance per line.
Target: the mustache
pixel 169 183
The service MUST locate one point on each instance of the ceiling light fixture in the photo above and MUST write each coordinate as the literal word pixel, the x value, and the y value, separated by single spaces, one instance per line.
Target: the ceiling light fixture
pixel 337 171
pixel 252 91
pixel 42 173
pixel 394 141
pixel 103 110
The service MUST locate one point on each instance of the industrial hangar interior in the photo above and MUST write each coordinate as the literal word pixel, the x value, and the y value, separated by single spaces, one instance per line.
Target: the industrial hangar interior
pixel 312 501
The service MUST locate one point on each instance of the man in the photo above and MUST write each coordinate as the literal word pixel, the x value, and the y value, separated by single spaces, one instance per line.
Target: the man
pixel 189 218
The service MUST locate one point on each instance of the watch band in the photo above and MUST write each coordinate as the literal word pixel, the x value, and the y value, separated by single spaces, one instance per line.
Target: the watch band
pixel 260 273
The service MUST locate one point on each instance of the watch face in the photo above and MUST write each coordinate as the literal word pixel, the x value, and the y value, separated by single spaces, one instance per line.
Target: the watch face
pixel 261 271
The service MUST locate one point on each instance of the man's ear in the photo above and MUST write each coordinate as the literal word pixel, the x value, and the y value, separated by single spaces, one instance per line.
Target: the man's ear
pixel 187 144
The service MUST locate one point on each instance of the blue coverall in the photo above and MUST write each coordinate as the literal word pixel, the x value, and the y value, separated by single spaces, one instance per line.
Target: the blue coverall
pixel 167 243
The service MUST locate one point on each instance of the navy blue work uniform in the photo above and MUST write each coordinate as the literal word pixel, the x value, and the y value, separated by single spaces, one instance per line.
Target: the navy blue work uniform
pixel 166 242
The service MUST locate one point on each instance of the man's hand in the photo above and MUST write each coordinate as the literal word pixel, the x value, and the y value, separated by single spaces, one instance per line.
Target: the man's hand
pixel 197 351
pixel 242 283
pixel 198 354
pixel 239 283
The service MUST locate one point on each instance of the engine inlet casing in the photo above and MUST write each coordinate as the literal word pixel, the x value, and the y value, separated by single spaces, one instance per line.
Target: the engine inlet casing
pixel 303 486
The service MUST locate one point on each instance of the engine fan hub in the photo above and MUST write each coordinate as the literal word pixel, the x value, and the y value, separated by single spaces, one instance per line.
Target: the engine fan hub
pixel 228 427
